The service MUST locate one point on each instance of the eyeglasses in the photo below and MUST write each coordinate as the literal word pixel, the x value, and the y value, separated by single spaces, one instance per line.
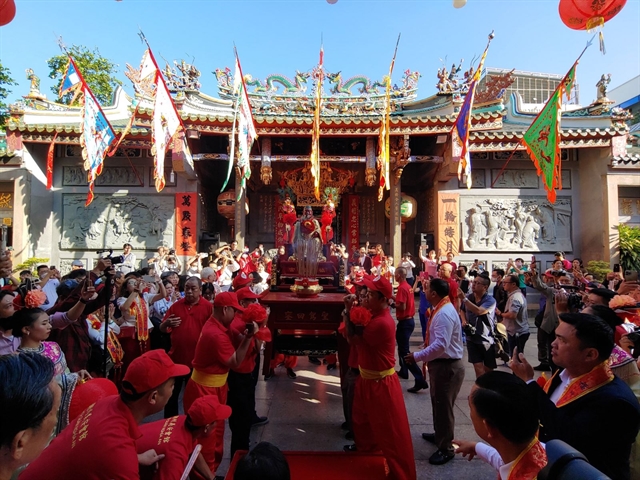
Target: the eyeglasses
pixel 503 282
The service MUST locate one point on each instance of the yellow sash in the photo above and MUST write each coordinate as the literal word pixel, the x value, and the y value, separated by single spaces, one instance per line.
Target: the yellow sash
pixel 209 379
pixel 375 375
pixel 529 462
pixel 584 384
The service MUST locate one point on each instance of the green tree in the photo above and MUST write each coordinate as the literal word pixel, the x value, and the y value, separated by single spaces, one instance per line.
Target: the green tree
pixel 5 80
pixel 629 247
pixel 98 71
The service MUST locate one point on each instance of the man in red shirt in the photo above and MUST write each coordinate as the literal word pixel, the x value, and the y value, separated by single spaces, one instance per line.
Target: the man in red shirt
pixel 176 437
pixel 379 415
pixel 242 391
pixel 405 311
pixel 101 443
pixel 184 321
pixel 214 356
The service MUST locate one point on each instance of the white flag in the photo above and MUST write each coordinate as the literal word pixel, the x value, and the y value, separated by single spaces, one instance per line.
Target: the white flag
pixel 165 125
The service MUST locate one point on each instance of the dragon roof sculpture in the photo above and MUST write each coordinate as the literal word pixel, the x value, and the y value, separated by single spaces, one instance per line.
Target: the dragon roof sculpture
pixel 280 95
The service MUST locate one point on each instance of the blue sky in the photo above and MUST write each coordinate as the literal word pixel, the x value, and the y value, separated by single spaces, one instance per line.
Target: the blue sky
pixel 283 36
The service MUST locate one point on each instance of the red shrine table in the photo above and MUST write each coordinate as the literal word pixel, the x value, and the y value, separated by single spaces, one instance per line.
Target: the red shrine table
pixel 328 465
pixel 305 326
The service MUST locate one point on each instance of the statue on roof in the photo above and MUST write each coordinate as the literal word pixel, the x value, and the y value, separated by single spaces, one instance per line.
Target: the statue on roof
pixel 602 85
pixel 34 88
pixel 183 77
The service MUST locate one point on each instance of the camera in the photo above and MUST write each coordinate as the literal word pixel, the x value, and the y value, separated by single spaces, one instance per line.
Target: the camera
pixel 469 330
pixel 114 260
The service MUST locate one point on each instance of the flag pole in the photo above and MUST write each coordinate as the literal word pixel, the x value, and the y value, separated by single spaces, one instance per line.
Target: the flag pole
pixel 233 143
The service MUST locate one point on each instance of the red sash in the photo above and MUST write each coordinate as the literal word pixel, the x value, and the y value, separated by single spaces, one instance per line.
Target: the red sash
pixel 113 344
pixel 529 462
pixel 441 304
pixel 587 383
pixel 141 311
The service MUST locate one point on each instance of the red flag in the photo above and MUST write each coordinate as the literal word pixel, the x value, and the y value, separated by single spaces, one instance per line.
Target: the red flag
pixel 50 161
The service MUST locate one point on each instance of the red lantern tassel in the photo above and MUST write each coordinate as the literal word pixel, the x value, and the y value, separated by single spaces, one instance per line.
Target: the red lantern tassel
pixel 601 37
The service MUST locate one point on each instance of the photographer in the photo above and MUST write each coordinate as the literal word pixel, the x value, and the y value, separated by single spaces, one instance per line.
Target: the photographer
pixel 172 262
pixel 135 323
pixel 227 266
pixel 477 312
pixel 158 260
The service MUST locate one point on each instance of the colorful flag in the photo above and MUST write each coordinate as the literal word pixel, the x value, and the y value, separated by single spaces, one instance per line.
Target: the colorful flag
pixel 383 139
pixel 246 130
pixel 72 81
pixel 166 122
pixel 97 136
pixel 462 125
pixel 97 133
pixel 542 138
pixel 315 134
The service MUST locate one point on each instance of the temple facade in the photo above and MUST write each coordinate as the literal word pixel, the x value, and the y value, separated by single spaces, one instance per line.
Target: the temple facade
pixel 504 215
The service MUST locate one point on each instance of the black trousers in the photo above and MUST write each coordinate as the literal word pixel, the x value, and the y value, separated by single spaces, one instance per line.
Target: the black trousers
pixel 241 399
pixel 404 329
pixel 171 409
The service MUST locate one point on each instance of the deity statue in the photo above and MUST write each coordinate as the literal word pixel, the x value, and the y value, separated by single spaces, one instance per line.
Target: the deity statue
pixel 307 243
pixel 602 85
pixel 328 214
pixel 289 218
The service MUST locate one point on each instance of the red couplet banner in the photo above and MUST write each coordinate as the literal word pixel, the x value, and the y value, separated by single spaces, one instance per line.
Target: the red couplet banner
pixel 186 216
pixel 353 222
pixel 279 223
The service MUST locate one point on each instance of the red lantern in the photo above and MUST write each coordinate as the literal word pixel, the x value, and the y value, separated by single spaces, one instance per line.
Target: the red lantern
pixel 7 11
pixel 589 15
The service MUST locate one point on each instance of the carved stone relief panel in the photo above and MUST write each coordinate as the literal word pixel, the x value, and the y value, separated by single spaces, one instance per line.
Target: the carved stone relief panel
pixel 111 176
pixel 477 179
pixel 519 224
pixel 515 179
pixel 144 221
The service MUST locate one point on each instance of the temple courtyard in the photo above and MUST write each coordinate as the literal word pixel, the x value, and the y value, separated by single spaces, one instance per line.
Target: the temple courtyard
pixel 306 414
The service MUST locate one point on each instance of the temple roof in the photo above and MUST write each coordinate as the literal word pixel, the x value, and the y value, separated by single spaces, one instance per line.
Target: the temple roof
pixel 350 108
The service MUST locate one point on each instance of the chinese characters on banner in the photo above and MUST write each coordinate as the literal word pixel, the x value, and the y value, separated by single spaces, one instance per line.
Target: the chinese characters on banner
pixel 280 226
pixel 448 223
pixel 353 223
pixel 186 215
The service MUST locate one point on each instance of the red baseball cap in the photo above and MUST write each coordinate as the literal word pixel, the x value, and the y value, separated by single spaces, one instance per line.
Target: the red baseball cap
pixel 227 299
pixel 379 284
pixel 241 280
pixel 246 293
pixel 151 370
pixel 206 410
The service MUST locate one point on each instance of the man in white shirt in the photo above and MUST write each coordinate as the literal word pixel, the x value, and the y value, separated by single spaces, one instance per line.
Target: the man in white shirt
pixel 49 281
pixel 129 264
pixel 443 354
pixel 515 317
pixel 505 416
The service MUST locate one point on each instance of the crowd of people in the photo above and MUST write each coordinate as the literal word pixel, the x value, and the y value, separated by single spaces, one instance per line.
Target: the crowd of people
pixel 200 328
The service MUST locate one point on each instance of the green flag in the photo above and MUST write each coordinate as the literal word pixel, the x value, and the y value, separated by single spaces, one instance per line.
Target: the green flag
pixel 542 139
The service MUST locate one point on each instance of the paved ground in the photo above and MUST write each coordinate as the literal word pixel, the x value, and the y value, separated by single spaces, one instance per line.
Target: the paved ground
pixel 306 414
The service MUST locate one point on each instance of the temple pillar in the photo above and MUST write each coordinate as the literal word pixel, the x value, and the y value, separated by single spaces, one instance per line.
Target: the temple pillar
pixel 240 221
pixel 396 221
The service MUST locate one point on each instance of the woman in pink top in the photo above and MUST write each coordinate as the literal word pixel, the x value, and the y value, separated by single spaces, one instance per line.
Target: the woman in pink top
pixel 430 262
